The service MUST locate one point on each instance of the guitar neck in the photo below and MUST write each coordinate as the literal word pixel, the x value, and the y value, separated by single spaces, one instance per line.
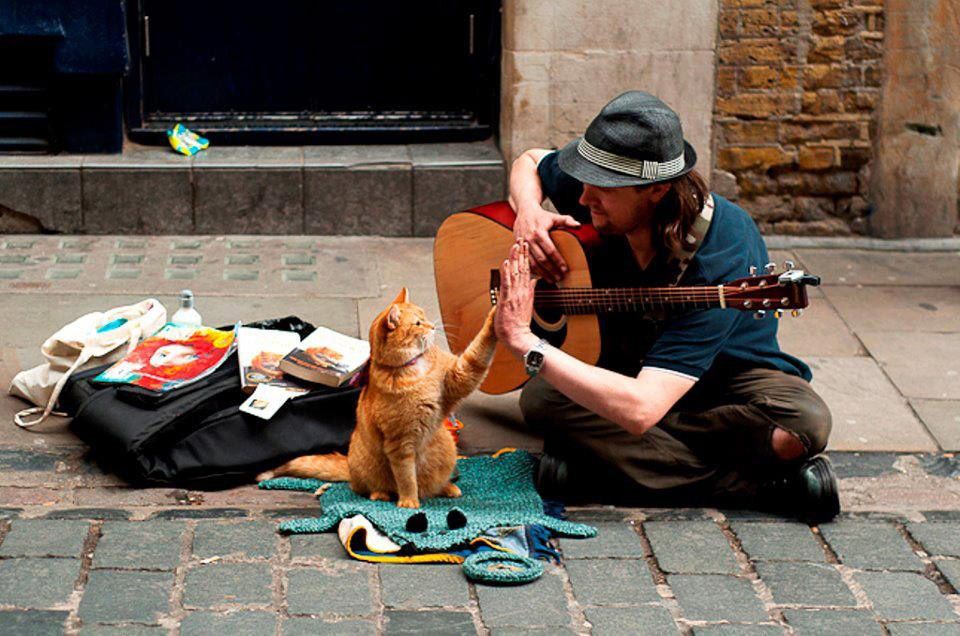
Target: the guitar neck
pixel 589 300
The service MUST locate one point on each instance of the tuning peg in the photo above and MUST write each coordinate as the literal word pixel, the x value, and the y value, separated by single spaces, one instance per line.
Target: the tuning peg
pixel 796 313
pixel 753 270
pixel 777 313
pixel 789 264
pixel 759 314
pixel 770 267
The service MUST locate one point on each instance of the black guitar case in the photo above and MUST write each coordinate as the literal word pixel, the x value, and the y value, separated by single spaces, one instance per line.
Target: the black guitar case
pixel 196 435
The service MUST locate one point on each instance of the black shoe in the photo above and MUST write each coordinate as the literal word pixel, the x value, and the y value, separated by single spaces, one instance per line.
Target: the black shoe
pixel 552 477
pixel 808 493
pixel 584 481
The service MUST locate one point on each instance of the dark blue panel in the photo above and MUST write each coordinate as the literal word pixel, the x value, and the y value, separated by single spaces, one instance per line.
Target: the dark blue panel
pixel 92 33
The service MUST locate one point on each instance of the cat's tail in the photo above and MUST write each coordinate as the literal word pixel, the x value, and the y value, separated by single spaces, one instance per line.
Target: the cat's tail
pixel 331 467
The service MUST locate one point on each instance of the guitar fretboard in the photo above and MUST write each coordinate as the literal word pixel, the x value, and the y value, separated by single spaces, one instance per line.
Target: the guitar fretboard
pixel 590 300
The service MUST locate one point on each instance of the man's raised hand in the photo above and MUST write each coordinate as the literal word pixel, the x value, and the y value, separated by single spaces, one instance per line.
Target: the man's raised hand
pixel 533 225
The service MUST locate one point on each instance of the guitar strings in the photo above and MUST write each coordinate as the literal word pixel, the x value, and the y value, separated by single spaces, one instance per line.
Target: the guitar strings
pixel 600 298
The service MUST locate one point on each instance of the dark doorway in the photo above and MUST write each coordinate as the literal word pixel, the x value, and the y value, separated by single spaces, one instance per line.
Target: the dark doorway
pixel 300 71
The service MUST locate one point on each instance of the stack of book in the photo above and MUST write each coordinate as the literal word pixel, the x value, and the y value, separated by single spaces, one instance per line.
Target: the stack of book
pixel 280 359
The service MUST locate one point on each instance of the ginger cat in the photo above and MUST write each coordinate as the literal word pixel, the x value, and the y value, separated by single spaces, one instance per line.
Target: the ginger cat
pixel 400 445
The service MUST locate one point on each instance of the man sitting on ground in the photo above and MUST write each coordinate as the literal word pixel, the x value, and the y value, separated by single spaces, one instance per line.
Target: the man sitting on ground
pixel 701 405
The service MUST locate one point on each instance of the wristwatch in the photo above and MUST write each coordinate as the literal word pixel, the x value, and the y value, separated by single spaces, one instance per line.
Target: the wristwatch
pixel 533 359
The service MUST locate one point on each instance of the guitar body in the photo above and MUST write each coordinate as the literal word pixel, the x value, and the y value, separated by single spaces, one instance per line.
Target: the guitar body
pixel 467 247
pixel 473 244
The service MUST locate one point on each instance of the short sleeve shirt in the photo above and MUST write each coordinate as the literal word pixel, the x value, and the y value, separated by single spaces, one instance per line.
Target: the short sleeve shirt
pixel 692 343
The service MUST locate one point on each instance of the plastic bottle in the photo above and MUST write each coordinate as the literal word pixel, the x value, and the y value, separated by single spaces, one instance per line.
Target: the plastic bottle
pixel 187 315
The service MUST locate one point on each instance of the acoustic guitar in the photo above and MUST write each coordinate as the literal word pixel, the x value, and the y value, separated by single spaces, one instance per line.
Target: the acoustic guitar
pixel 471 245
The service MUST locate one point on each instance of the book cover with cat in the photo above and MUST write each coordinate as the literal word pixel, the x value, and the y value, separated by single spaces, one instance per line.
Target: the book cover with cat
pixel 259 352
pixel 327 357
pixel 173 357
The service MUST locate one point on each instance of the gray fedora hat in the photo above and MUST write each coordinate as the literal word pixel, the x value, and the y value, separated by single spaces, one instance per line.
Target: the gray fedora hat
pixel 635 140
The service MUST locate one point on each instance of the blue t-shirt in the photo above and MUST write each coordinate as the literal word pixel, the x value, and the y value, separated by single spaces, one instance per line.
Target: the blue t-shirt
pixel 691 343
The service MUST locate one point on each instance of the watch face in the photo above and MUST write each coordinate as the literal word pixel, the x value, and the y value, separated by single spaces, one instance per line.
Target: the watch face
pixel 535 358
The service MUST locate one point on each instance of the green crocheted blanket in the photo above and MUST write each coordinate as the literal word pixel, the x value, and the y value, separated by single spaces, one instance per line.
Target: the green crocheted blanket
pixel 497 491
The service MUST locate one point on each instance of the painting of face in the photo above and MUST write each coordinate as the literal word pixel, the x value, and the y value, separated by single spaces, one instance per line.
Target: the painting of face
pixel 173 354
pixel 172 357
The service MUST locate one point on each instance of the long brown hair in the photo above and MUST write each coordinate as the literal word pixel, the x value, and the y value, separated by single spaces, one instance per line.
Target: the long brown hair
pixel 678 209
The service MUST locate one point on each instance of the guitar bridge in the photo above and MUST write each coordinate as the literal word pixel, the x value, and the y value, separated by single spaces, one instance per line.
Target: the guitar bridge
pixel 494 285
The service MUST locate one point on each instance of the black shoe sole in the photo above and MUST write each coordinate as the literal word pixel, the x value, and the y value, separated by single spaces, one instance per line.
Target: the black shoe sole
pixel 829 498
pixel 550 477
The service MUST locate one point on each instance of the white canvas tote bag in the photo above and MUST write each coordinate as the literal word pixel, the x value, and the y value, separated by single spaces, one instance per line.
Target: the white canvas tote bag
pixel 94 339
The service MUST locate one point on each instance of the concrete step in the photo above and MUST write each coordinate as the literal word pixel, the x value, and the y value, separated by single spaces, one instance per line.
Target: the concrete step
pixel 400 190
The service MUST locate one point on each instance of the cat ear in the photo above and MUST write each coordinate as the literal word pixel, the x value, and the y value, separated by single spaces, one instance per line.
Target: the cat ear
pixel 402 296
pixel 393 318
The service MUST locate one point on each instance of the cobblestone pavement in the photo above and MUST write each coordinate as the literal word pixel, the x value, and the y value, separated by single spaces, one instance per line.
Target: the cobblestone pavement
pixel 651 571
pixel 82 552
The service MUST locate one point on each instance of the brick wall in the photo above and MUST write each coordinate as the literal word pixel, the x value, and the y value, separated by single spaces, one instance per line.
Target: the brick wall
pixel 797 88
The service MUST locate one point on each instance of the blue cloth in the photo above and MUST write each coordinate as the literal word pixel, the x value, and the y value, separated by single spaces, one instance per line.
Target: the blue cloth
pixel 691 343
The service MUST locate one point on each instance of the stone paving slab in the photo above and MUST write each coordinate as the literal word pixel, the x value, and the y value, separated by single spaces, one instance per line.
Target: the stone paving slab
pixel 34 622
pixel 222 584
pixel 778 541
pixel 942 419
pixel 235 624
pixel 950 570
pixel 542 603
pixel 37 583
pixel 432 623
pixel 612 582
pixel 806 584
pixel 691 546
pixel 820 331
pixel 870 546
pixel 143 545
pixel 128 629
pixel 905 596
pixel 311 546
pixel 614 539
pixel 938 539
pixel 39 538
pixel 863 267
pixel 846 622
pixel 712 597
pixel 408 587
pixel 924 629
pixel 740 628
pixel 939 375
pixel 868 411
pixel 905 309
pixel 342 592
pixel 304 626
pixel 617 621
pixel 250 539
pixel 113 596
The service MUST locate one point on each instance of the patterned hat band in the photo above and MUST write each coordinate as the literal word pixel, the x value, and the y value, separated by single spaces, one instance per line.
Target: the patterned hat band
pixel 626 165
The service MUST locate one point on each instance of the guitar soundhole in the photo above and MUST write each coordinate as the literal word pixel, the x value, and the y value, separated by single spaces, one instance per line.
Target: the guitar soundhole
pixel 549 323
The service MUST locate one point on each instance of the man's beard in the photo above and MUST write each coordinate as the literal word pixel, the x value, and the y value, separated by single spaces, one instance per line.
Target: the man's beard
pixel 607 228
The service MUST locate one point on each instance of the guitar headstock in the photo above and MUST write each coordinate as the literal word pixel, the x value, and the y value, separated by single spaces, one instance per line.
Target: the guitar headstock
pixel 771 292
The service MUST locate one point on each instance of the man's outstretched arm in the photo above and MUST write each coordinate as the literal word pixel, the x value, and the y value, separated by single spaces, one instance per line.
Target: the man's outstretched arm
pixel 636 404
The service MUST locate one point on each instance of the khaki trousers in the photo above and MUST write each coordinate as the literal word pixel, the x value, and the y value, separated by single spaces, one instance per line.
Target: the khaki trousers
pixel 716 441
